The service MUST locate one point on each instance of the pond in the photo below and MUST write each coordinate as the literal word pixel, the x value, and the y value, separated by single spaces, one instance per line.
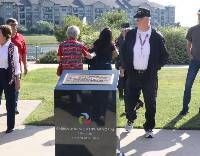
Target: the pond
pixel 33 51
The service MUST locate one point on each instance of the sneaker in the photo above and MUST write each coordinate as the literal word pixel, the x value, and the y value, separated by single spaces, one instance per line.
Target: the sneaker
pixel 129 126
pixel 183 112
pixel 149 134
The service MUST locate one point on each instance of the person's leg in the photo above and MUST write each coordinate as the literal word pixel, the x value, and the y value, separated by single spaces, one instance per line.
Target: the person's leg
pixel 132 90
pixel 149 90
pixel 16 101
pixel 191 75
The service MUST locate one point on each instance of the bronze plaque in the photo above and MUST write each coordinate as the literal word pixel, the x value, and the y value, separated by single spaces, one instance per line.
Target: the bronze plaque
pixel 88 79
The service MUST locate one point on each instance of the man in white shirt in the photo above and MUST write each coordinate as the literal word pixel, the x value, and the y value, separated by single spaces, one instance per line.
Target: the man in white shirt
pixel 144 53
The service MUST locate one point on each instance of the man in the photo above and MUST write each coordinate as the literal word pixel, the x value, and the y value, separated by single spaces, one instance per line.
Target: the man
pixel 144 53
pixel 193 51
pixel 19 41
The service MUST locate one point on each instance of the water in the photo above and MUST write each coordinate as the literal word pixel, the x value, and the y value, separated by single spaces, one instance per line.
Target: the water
pixel 34 51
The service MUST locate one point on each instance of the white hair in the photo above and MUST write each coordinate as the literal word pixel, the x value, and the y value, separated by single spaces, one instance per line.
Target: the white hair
pixel 73 32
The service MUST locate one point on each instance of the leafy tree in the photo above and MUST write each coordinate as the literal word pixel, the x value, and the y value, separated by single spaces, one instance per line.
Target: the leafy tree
pixel 60 31
pixel 42 27
pixel 112 19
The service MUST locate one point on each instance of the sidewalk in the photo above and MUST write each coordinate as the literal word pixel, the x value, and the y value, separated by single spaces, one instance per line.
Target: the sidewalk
pixel 165 143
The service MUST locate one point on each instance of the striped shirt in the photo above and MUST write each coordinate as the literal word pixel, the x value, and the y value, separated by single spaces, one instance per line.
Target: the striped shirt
pixel 71 53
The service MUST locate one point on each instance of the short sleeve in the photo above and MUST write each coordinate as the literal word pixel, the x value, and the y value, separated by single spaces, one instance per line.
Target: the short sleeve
pixel 84 51
pixel 189 35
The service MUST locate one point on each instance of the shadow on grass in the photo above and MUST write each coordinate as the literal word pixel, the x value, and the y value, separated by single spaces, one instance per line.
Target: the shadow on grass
pixel 45 122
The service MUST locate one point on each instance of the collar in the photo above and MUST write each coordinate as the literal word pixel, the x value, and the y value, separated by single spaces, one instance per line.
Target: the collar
pixel 145 32
pixel 7 43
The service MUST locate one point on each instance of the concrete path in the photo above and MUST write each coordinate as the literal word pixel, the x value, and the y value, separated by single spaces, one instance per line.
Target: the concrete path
pixel 25 140
pixel 165 143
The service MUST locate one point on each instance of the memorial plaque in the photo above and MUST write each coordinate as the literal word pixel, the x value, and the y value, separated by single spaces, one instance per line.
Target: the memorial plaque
pixel 74 78
pixel 80 103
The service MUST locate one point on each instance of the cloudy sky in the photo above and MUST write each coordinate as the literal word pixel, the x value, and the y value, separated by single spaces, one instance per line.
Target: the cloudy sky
pixel 186 10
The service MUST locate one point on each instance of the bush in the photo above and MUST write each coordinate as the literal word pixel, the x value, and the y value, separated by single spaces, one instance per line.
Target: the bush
pixel 175 44
pixel 42 27
pixel 49 57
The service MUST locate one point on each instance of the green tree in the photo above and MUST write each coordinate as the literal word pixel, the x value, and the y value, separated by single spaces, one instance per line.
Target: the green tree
pixel 60 31
pixel 42 27
pixel 112 19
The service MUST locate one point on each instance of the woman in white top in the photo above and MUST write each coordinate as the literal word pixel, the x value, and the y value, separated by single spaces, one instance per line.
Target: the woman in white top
pixel 9 73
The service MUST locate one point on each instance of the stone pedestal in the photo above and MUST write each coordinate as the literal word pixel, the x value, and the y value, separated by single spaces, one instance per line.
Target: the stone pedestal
pixel 85 113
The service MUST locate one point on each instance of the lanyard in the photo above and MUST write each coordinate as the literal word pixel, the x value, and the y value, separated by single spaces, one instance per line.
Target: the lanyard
pixel 142 42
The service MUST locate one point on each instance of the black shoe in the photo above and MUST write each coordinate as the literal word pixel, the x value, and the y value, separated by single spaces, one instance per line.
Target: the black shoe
pixel 9 130
pixel 183 112
pixel 16 112
pixel 139 104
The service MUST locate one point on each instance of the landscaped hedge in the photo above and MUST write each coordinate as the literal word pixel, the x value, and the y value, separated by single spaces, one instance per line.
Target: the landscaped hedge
pixel 49 57
pixel 175 44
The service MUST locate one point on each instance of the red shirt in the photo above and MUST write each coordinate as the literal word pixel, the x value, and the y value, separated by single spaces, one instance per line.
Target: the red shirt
pixel 19 41
pixel 71 53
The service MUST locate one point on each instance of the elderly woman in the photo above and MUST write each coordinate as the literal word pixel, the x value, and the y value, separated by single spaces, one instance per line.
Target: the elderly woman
pixel 71 52
pixel 9 71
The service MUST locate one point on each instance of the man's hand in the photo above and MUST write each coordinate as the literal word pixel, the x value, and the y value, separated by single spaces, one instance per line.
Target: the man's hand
pixel 121 72
pixel 25 69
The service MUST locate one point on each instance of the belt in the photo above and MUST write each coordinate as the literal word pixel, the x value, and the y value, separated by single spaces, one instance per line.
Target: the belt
pixel 140 71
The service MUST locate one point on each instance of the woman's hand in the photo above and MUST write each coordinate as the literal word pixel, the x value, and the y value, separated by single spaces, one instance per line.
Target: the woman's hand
pixel 17 83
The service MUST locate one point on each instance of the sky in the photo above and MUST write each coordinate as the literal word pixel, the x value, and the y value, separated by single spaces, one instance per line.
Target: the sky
pixel 185 10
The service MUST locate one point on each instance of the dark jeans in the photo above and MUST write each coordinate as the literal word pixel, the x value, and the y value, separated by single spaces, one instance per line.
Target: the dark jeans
pixel 191 75
pixel 9 91
pixel 16 96
pixel 148 84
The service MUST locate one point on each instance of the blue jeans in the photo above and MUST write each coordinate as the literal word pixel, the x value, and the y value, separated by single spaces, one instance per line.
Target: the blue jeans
pixel 191 75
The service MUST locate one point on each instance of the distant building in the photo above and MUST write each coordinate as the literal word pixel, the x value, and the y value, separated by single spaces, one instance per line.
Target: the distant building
pixel 28 12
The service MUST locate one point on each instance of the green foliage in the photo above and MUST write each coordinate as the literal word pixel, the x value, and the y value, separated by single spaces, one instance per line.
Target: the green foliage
pixel 22 29
pixel 175 44
pixel 60 31
pixel 42 27
pixel 112 19
pixel 49 57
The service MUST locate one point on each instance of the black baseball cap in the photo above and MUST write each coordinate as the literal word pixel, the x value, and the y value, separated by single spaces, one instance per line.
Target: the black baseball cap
pixel 142 12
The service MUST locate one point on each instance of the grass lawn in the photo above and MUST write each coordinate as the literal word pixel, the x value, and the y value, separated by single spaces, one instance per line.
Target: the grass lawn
pixel 39 84
pixel 40 39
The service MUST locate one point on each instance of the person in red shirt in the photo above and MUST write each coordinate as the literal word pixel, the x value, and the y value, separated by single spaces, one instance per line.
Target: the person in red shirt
pixel 19 41
pixel 71 52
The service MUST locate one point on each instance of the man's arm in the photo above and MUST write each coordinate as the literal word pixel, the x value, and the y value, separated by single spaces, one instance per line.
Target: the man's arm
pixel 189 47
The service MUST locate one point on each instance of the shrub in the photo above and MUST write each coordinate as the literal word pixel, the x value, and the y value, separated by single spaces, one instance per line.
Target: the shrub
pixel 175 44
pixel 49 57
